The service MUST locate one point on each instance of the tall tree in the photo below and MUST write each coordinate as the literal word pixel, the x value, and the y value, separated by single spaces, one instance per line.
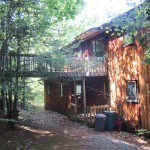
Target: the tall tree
pixel 23 24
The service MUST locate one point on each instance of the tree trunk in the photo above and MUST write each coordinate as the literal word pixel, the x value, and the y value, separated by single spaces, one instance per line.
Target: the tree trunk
pixel 23 96
pixel 15 111
pixel 2 95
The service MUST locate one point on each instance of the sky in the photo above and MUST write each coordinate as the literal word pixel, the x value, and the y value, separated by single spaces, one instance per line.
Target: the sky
pixel 104 10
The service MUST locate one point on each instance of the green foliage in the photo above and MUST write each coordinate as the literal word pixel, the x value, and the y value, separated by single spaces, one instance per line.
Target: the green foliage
pixel 147 57
pixel 143 132
pixel 27 26
pixel 35 93
pixel 34 21
pixel 132 23
pixel 64 9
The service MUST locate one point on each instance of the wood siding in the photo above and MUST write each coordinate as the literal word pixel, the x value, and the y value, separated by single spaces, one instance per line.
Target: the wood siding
pixel 95 88
pixel 54 101
pixel 125 63
pixel 94 94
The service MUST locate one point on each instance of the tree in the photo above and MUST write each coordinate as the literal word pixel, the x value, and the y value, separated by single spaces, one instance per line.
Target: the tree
pixel 24 23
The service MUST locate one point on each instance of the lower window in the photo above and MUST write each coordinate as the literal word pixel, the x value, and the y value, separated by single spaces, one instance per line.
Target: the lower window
pixel 132 91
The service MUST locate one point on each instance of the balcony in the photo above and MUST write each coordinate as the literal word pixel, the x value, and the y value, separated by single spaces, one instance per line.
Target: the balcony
pixel 84 66
pixel 36 66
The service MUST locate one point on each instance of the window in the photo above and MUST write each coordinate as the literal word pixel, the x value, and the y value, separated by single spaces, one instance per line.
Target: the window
pixel 78 89
pixel 98 47
pixel 48 89
pixel 61 90
pixel 132 91
pixel 128 40
pixel 80 51
pixel 106 89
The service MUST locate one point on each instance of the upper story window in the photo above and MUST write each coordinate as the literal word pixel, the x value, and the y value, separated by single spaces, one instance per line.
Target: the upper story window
pixel 98 47
pixel 78 51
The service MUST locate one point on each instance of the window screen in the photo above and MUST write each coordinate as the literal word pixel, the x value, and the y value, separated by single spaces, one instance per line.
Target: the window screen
pixel 78 89
pixel 98 47
pixel 49 89
pixel 61 90
pixel 132 91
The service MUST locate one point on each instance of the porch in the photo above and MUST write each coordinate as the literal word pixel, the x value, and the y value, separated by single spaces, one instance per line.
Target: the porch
pixel 90 96
pixel 89 117
pixel 81 98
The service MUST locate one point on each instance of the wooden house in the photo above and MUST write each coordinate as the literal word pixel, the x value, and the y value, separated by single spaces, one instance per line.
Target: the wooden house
pixel 104 74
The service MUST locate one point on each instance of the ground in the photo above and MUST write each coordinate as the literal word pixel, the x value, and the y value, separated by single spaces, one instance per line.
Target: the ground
pixel 46 130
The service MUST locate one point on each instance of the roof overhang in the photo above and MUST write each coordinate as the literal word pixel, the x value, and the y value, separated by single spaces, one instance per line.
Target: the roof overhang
pixel 89 34
pixel 93 32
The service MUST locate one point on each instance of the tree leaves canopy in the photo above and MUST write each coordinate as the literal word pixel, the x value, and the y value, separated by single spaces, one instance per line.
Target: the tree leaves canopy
pixel 25 27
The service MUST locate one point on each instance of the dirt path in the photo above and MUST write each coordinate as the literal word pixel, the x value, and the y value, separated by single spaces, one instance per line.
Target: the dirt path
pixel 46 130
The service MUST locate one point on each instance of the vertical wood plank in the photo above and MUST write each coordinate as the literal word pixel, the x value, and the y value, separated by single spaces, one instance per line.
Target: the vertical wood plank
pixel 143 90
pixel 147 106
pixel 146 75
pixel 148 70
pixel 75 97
pixel 141 94
pixel 84 99
pixel 90 115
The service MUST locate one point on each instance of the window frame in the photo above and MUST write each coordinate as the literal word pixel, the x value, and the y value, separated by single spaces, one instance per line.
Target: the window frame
pixel 132 98
pixel 61 90
pixel 48 89
pixel 106 89
pixel 80 93
pixel 95 49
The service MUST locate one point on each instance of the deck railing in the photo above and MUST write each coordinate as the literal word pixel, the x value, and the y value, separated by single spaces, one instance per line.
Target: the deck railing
pixel 85 66
pixel 68 66
pixel 91 112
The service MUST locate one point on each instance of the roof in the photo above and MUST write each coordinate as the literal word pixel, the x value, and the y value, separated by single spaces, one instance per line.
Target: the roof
pixel 89 33
pixel 92 32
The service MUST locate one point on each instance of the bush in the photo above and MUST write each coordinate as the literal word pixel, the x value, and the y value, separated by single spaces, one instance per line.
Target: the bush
pixel 143 132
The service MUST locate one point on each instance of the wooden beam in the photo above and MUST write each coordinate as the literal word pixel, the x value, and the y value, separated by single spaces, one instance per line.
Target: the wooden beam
pixel 76 103
pixel 84 100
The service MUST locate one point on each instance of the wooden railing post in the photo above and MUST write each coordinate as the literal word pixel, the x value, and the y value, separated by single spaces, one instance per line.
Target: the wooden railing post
pixel 76 103
pixel 84 100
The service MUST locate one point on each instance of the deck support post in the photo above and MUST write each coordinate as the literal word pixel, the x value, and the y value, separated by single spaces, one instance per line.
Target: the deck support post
pixel 76 103
pixel 84 100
